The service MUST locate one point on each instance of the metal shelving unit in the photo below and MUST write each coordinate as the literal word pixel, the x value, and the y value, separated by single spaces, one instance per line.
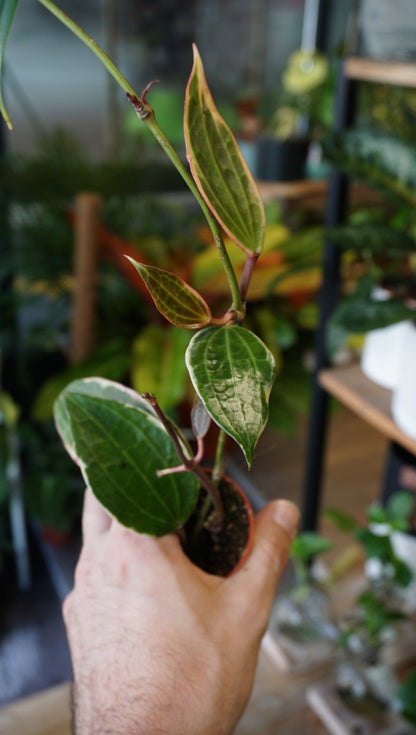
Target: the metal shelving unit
pixel 353 393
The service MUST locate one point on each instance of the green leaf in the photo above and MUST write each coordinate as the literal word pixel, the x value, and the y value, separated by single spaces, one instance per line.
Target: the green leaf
pixel 218 168
pixel 309 544
pixel 403 574
pixel 406 694
pixel 359 313
pixel 382 160
pixel 400 506
pixel 120 448
pixel 373 237
pixel 376 514
pixel 179 303
pixel 96 388
pixel 343 521
pixel 378 547
pixel 7 11
pixel 233 371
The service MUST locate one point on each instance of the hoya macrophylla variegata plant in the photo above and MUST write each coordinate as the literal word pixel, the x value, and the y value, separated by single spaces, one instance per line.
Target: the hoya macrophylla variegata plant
pixel 136 461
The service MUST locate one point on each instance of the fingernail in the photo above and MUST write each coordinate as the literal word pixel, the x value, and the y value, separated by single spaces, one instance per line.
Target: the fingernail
pixel 286 514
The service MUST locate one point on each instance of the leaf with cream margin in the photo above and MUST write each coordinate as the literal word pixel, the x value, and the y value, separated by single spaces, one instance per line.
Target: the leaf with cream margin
pixel 218 167
pixel 97 388
pixel 119 447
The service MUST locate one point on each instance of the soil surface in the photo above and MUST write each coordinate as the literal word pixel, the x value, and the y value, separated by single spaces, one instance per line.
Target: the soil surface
pixel 218 552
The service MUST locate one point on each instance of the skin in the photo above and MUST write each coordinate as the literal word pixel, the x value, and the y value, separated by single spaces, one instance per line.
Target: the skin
pixel 158 646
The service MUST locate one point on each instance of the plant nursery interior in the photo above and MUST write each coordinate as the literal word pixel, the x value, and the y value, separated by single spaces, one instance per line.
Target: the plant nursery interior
pixel 319 101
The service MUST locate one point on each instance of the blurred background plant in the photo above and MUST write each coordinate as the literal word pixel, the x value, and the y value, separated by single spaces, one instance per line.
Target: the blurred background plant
pixel 162 230
pixel 303 105
pixel 378 241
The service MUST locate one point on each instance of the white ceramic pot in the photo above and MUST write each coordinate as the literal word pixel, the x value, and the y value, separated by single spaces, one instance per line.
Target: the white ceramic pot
pixel 381 355
pixel 403 405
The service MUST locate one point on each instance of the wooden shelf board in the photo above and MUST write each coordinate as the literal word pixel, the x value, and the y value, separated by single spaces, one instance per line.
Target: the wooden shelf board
pixel 400 73
pixel 314 192
pixel 369 401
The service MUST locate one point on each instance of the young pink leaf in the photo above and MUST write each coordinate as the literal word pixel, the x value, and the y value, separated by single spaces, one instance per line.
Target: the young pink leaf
pixel 177 302
pixel 218 167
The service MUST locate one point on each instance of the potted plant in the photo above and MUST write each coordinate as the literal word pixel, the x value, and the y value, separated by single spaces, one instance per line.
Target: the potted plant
pixel 381 243
pixel 303 105
pixel 301 632
pixel 136 460
pixel 361 695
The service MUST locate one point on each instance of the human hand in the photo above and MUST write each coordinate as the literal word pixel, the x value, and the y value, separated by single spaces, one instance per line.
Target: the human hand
pixel 158 646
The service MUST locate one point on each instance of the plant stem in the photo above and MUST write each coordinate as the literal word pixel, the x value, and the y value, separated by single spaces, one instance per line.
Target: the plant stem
pixel 247 273
pixel 85 38
pixel 150 121
pixel 189 465
pixel 219 458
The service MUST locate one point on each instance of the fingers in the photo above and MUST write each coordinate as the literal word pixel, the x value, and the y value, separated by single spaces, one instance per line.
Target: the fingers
pixel 276 527
pixel 95 520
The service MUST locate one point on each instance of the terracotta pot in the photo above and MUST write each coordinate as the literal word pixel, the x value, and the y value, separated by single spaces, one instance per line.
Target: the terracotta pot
pixel 221 553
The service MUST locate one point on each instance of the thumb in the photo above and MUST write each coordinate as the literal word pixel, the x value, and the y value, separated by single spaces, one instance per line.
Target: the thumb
pixel 276 527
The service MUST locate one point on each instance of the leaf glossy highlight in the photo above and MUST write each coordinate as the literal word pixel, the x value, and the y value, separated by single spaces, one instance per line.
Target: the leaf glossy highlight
pixel 233 372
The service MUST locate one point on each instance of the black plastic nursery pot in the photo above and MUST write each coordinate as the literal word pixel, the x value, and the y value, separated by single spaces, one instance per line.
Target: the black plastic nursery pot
pixel 221 552
pixel 281 160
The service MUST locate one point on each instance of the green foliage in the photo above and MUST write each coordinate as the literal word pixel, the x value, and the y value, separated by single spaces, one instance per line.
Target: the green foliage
pixel 218 167
pixel 308 545
pixel 406 695
pixel 233 371
pixel 120 448
pixel 383 161
pixel 111 361
pixel 344 521
pixel 179 303
pixel 126 450
pixel 60 169
pixel 53 489
pixel 375 537
pixel 158 365
pixel 376 238
pixel 360 312
pixel 377 616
